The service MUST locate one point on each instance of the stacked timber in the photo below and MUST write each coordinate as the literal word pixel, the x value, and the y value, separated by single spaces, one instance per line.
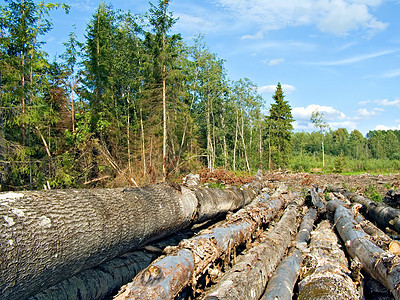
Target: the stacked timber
pixel 49 236
pixel 211 244
pixel 193 258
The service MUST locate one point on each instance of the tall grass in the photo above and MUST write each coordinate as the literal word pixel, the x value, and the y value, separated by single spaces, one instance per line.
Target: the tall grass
pixel 306 163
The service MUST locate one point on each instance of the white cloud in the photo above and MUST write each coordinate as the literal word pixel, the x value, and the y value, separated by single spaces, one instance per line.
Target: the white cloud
pixel 274 62
pixel 270 89
pixel 391 74
pixel 356 59
pixel 364 102
pixel 384 127
pixel 335 16
pixel 330 113
pixel 364 113
pixel 386 102
pixel 257 36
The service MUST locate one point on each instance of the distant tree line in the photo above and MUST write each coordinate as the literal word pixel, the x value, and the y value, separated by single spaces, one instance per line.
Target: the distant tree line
pixel 135 103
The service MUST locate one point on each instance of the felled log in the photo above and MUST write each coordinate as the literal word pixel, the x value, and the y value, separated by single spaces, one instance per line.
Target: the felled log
pixel 166 277
pixel 381 213
pixel 248 277
pixel 376 235
pixel 104 280
pixel 48 236
pixel 280 285
pixel 327 275
pixel 380 265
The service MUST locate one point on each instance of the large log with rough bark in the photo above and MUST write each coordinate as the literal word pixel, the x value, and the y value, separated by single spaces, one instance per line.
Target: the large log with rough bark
pixel 381 265
pixel 280 285
pixel 248 277
pixel 383 214
pixel 166 277
pixel 326 275
pixel 48 236
pixel 104 280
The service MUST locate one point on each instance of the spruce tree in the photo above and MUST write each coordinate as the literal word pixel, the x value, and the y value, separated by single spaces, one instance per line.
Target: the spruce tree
pixel 279 130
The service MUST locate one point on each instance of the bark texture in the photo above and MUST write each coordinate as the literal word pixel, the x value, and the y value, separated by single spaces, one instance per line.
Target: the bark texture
pixel 383 214
pixel 48 236
pixel 166 277
pixel 104 280
pixel 281 284
pixel 249 275
pixel 327 273
pixel 381 265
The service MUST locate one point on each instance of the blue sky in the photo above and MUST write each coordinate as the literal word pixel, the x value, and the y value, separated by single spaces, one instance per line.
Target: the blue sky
pixel 341 57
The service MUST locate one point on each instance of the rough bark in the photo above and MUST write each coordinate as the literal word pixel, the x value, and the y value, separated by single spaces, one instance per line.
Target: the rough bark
pixel 249 275
pixel 104 280
pixel 381 265
pixel 326 271
pixel 48 236
pixel 281 284
pixel 383 214
pixel 166 277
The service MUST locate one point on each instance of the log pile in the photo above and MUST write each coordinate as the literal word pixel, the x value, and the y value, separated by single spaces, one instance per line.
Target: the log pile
pixel 193 242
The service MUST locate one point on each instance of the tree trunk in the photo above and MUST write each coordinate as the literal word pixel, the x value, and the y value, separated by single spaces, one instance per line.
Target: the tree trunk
pixel 281 284
pixel 326 273
pixel 236 138
pixel 103 281
pixel 381 265
pixel 383 214
pixel 249 275
pixel 244 143
pixel 165 278
pixel 52 235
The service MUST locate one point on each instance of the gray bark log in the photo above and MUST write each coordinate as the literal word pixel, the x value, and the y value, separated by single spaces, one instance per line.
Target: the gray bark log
pixel 383 214
pixel 48 236
pixel 326 271
pixel 165 278
pixel 248 277
pixel 281 284
pixel 381 265
pixel 103 281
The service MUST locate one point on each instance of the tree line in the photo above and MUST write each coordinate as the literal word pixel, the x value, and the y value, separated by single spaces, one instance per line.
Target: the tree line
pixel 134 103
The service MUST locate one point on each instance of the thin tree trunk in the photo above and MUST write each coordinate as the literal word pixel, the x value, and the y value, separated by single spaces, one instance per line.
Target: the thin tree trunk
pixel 249 275
pixel 128 138
pixel 244 143
pixel 23 98
pixel 236 138
pixel 72 101
pixel 143 143
pixel 323 154
pixel 164 71
pixel 44 142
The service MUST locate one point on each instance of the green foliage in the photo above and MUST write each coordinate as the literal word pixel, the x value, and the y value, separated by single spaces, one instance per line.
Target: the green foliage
pixel 98 114
pixel 371 193
pixel 278 126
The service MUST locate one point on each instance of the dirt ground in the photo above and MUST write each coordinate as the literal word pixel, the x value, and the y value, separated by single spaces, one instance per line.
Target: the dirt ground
pixel 300 181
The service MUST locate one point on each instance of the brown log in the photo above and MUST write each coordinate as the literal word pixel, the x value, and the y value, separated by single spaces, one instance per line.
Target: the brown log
pixel 381 213
pixel 165 278
pixel 326 274
pixel 249 275
pixel 381 265
pixel 280 285
pixel 48 236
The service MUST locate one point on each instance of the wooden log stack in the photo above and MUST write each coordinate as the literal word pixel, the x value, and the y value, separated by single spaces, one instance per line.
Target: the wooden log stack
pixel 211 244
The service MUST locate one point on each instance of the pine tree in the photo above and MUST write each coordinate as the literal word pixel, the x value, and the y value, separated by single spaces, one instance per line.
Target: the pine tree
pixel 279 130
